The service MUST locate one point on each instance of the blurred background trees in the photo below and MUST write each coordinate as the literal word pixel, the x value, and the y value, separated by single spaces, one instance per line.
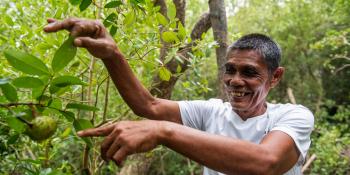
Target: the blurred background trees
pixel 313 34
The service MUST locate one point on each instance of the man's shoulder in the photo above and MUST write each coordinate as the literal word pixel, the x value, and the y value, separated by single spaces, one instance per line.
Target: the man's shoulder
pixel 290 110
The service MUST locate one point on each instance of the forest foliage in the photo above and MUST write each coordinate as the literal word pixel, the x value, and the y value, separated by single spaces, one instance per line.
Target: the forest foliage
pixel 43 74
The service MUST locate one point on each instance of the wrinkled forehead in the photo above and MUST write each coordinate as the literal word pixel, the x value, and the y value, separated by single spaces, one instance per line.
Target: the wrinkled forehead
pixel 246 56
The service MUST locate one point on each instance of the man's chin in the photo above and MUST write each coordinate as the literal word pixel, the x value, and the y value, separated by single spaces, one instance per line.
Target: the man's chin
pixel 238 107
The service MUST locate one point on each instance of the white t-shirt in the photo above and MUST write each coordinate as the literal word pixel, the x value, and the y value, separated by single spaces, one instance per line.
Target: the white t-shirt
pixel 215 117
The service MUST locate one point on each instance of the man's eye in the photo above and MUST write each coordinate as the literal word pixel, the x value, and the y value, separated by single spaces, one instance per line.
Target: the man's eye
pixel 250 72
pixel 229 70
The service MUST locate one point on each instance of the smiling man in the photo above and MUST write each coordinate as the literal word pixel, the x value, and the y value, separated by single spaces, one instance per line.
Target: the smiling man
pixel 246 135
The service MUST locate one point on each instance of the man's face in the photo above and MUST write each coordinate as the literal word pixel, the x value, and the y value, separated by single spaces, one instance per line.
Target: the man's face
pixel 247 80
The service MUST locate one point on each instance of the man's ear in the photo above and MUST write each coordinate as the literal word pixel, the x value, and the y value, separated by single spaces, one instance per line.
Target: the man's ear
pixel 276 76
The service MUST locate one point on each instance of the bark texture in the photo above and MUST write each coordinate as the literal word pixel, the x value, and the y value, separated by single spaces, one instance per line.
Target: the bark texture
pixel 219 25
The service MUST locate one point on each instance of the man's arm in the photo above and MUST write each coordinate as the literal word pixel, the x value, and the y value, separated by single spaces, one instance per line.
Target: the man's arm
pixel 275 154
pixel 93 36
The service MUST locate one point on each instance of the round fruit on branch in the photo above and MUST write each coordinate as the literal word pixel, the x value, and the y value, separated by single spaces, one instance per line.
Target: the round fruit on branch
pixel 41 128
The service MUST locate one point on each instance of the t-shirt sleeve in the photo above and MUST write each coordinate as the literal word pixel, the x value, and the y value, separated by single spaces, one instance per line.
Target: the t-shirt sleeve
pixel 298 124
pixel 194 114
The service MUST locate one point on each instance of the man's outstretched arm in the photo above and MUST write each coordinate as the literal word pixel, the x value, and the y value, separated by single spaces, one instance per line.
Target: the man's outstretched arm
pixel 276 153
pixel 93 36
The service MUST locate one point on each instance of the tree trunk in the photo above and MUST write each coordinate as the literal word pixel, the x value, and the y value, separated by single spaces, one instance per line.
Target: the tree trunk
pixel 219 26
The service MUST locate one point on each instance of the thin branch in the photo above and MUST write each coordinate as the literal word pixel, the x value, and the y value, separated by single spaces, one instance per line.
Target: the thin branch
pixel 106 100
pixel 19 104
pixel 308 162
pixel 341 68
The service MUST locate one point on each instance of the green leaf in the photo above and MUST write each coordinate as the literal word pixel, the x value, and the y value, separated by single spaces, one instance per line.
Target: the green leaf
pixel 10 92
pixel 67 80
pixel 37 92
pixel 27 82
pixel 13 139
pixel 84 4
pixel 4 81
pixel 26 63
pixel 66 132
pixel 169 37
pixel 161 19
pixel 55 103
pixel 74 2
pixel 64 81
pixel 64 55
pixel 113 4
pixel 171 11
pixel 81 106
pixel 110 20
pixel 8 20
pixel 181 31
pixel 113 30
pixel 81 124
pixel 129 18
pixel 15 124
pixel 68 115
pixel 164 74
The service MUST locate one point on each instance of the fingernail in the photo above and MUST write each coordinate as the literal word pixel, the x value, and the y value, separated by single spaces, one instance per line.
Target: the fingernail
pixel 79 133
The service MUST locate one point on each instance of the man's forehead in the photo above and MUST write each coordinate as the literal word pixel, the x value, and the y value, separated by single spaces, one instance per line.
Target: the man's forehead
pixel 251 57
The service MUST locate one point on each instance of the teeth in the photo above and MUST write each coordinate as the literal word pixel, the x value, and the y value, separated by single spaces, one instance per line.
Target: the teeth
pixel 237 94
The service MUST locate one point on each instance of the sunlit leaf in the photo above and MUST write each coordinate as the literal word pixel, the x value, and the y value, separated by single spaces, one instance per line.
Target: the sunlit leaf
pixel 74 2
pixel 171 11
pixel 81 106
pixel 181 31
pixel 66 132
pixel 9 92
pixel 26 63
pixel 129 18
pixel 164 74
pixel 161 19
pixel 113 4
pixel 27 82
pixel 84 4
pixel 8 19
pixel 169 37
pixel 64 55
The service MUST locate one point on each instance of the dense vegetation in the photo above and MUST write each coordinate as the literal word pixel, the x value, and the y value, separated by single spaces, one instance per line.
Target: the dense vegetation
pixel 313 34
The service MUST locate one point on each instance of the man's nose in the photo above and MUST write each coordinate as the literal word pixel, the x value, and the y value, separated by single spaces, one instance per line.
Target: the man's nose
pixel 236 80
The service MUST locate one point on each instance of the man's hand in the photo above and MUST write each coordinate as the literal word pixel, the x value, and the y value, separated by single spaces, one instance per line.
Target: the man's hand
pixel 126 138
pixel 90 34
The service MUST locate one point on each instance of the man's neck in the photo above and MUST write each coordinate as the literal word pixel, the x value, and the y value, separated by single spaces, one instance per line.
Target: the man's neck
pixel 245 114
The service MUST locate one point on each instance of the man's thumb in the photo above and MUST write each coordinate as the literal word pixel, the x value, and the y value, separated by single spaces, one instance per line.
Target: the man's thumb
pixel 85 42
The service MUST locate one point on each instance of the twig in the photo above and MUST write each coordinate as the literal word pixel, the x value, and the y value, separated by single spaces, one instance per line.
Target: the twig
pixel 308 162
pixel 106 100
pixel 6 105
pixel 291 95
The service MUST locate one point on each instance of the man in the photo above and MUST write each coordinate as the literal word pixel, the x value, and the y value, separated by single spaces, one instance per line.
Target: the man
pixel 246 135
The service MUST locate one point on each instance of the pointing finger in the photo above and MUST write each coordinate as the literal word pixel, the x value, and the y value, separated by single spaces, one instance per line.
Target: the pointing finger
pixel 100 131
pixel 55 26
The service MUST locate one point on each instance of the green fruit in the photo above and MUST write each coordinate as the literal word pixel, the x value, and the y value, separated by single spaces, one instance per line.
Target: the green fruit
pixel 42 128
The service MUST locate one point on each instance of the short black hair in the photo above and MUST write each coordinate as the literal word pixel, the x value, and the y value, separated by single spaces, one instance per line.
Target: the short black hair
pixel 266 46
